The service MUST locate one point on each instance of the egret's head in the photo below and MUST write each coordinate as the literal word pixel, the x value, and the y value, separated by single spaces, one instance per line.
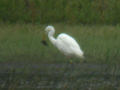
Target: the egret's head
pixel 49 28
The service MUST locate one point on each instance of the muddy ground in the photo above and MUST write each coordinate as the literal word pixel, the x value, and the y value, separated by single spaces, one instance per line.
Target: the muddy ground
pixel 83 76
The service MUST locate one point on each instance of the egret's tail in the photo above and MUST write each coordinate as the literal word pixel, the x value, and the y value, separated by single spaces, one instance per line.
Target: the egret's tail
pixel 83 57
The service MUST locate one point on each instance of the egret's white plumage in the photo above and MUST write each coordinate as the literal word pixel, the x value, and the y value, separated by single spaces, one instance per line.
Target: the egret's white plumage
pixel 65 43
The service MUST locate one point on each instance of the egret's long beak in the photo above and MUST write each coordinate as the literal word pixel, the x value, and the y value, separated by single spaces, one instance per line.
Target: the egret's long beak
pixel 44 40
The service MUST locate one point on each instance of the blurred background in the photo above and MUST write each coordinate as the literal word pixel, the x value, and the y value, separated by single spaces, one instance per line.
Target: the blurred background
pixel 52 11
pixel 26 63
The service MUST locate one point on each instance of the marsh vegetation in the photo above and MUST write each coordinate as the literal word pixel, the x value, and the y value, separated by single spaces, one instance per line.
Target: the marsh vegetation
pixel 26 63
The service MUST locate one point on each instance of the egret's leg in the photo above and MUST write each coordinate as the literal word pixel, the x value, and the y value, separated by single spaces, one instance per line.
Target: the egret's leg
pixel 70 59
pixel 72 67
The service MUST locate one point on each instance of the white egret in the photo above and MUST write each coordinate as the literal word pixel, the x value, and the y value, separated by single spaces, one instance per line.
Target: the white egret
pixel 65 43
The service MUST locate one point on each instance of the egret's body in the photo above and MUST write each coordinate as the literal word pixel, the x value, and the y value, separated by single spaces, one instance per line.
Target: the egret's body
pixel 65 43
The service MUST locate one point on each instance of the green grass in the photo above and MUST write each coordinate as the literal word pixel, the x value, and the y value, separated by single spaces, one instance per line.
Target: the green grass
pixel 23 41
pixel 31 62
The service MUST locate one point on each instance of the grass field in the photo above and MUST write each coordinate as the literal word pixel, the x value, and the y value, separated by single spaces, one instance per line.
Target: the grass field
pixel 27 63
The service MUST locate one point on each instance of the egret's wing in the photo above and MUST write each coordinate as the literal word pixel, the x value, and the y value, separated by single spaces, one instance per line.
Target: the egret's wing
pixel 69 45
pixel 68 40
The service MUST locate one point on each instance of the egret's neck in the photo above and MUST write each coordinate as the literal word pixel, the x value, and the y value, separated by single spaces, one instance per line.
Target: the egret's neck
pixel 51 37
